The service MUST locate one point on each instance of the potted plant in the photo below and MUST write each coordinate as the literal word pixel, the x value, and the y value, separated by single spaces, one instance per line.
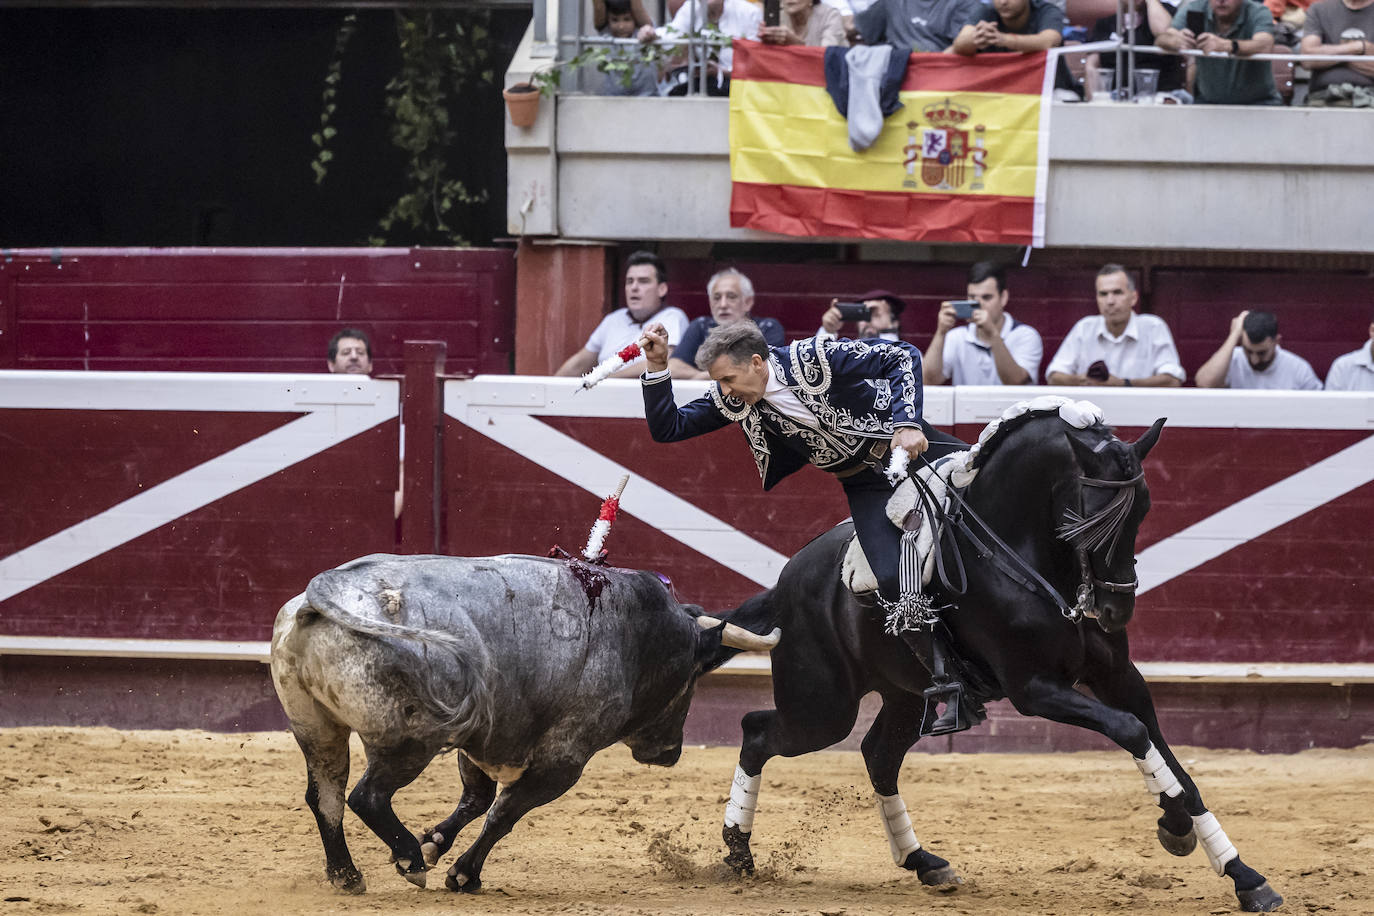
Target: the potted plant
pixel 522 99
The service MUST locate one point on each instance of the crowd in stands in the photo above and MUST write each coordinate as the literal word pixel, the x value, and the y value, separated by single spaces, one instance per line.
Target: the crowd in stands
pixel 976 341
pixel 1228 32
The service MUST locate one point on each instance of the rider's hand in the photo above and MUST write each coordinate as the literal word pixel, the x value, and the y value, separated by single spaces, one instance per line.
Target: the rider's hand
pixel 910 438
pixel 656 347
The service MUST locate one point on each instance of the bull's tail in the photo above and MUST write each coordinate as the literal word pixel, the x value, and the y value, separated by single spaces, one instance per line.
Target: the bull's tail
pixel 463 704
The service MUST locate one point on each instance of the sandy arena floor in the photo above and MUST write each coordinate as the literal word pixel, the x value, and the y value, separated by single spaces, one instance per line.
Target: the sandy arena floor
pixel 96 821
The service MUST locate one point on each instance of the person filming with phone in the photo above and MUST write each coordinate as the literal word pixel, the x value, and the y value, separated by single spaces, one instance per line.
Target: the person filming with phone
pixel 877 313
pixel 1227 31
pixel 977 343
pixel 801 22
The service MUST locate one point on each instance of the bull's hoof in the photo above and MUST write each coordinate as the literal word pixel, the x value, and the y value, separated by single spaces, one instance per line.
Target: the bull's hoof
pixel 462 883
pixel 740 859
pixel 1262 899
pixel 347 880
pixel 1175 844
pixel 931 869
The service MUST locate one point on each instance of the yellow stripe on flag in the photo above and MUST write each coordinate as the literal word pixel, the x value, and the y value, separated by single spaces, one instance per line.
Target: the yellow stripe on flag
pixel 789 134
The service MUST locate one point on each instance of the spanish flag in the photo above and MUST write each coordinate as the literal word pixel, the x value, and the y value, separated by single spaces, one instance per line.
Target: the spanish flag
pixel 961 162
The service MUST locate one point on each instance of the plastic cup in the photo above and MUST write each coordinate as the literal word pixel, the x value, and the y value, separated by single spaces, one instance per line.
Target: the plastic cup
pixel 1146 85
pixel 1103 83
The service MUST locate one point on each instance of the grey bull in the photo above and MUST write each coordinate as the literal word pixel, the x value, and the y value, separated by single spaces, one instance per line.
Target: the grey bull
pixel 514 661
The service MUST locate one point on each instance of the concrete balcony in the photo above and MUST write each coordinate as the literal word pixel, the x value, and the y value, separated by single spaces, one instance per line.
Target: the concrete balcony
pixel 1122 176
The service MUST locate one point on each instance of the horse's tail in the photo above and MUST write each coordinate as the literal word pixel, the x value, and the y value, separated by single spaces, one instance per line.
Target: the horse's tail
pixel 462 702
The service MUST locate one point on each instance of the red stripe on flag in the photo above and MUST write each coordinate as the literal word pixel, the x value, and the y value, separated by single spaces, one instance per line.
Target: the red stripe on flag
pixel 927 217
pixel 1004 73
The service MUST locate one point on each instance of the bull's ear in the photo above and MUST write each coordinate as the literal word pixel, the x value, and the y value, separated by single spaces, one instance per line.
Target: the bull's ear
pixel 1142 446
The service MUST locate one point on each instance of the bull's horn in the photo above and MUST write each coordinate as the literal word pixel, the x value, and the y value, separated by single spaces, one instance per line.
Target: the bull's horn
pixel 737 637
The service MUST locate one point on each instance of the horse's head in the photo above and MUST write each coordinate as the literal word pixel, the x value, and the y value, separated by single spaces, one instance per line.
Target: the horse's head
pixel 1112 501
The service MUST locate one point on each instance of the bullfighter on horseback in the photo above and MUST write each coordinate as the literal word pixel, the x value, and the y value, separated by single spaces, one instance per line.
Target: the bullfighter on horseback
pixel 842 405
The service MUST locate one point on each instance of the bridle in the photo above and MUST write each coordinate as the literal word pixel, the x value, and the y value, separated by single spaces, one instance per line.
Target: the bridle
pixel 1093 532
pixel 1084 534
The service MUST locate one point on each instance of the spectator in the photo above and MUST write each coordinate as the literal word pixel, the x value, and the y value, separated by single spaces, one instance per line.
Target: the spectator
pixel 1251 358
pixel 1340 27
pixel 640 78
pixel 1151 19
pixel 601 14
pixel 350 351
pixel 732 299
pixel 921 25
pixel 993 348
pixel 1237 28
pixel 884 317
pixel 1012 25
pixel 734 18
pixel 1117 346
pixel 806 22
pixel 646 283
pixel 1353 371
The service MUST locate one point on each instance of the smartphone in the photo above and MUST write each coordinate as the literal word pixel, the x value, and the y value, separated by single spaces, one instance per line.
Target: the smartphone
pixel 852 311
pixel 771 12
pixel 1197 22
pixel 963 308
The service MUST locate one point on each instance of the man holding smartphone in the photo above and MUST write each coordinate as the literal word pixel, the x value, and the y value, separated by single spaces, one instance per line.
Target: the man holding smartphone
pixel 992 348
pixel 1227 31
pixel 883 320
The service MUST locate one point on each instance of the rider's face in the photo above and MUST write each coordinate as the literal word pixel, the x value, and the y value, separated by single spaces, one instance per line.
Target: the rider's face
pixel 745 381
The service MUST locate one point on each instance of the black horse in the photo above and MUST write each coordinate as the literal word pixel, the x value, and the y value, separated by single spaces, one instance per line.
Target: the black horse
pixel 1068 502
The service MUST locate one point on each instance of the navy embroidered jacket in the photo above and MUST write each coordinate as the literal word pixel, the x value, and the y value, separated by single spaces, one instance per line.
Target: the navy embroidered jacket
pixel 858 391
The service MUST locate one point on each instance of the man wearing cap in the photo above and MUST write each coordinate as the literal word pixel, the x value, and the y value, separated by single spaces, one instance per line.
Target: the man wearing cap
pixel 992 348
pixel 884 317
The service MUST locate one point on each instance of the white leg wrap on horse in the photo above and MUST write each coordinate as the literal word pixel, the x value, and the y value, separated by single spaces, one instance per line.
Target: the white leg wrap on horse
pixel 901 839
pixel 1158 777
pixel 744 799
pixel 1214 841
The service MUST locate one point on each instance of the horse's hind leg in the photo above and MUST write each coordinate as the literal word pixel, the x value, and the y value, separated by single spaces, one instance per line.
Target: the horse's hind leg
pixel 325 746
pixel 479 790
pixel 805 720
pixel 895 729
pixel 1185 817
pixel 390 769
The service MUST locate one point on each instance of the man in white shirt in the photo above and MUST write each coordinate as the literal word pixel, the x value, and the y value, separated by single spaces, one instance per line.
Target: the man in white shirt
pixel 734 18
pixel 884 317
pixel 992 348
pixel 1252 358
pixel 1117 346
pixel 1353 371
pixel 646 284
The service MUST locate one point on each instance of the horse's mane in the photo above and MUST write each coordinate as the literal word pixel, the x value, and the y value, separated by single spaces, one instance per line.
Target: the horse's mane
pixel 1025 413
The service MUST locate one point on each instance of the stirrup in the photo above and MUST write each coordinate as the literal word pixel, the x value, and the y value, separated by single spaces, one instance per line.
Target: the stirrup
pixel 959 714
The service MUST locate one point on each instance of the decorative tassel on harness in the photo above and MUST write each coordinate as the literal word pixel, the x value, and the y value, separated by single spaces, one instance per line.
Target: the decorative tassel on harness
pixel 614 363
pixel 914 609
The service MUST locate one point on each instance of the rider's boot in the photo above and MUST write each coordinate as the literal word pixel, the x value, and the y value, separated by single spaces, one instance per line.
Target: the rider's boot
pixel 931 652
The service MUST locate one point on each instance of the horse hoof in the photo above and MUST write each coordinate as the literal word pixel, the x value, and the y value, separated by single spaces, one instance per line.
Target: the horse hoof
pixel 348 882
pixel 1175 844
pixel 417 878
pixel 741 863
pixel 1262 899
pixel 430 852
pixel 938 877
pixel 462 883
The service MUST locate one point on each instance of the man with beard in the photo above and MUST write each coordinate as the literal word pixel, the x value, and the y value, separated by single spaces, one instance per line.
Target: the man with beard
pixel 1252 358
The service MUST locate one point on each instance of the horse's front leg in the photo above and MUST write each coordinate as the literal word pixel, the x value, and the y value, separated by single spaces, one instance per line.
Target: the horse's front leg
pixel 1061 703
pixel 1185 819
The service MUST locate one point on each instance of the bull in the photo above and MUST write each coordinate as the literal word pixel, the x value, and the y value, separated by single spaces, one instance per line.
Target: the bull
pixel 526 666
